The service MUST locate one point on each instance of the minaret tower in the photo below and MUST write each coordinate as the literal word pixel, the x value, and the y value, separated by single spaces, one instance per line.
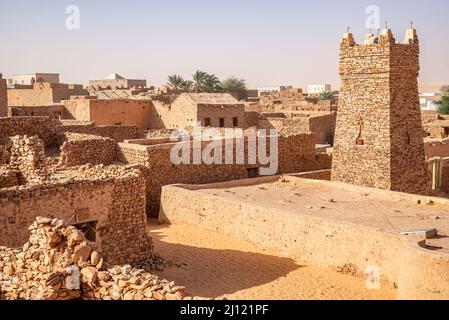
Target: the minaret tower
pixel 379 134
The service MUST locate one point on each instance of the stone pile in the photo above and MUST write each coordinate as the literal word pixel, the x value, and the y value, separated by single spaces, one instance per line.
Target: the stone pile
pixel 58 263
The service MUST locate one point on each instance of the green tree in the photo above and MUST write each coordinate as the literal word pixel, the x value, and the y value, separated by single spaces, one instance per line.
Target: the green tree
pixel 212 84
pixel 175 82
pixel 443 105
pixel 199 81
pixel 326 96
pixel 187 85
pixel 1 75
pixel 236 87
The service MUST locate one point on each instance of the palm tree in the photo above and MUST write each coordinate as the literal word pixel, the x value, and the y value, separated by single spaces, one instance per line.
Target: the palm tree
pixel 187 85
pixel 175 82
pixel 199 81
pixel 326 96
pixel 212 84
pixel 236 87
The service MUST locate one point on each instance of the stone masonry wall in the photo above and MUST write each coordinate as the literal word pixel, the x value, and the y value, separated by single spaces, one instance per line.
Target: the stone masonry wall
pixel 27 156
pixel 296 154
pixel 379 140
pixel 44 127
pixel 95 195
pixel 8 177
pixel 118 133
pixel 80 149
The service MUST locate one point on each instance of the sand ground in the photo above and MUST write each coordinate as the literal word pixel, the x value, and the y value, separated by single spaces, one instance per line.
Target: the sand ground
pixel 213 265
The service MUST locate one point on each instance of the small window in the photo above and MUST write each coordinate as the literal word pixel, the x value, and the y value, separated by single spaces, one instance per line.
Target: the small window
pixel 222 122
pixel 207 122
pixel 235 122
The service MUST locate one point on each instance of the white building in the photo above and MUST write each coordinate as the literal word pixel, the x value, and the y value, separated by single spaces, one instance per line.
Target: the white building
pixel 29 79
pixel 266 90
pixel 317 89
pixel 427 101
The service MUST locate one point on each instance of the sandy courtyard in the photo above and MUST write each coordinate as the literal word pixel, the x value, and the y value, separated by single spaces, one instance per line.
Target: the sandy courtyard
pixel 214 265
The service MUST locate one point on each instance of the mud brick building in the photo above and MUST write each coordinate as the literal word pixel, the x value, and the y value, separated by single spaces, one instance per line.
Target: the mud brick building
pixel 43 94
pixel 379 134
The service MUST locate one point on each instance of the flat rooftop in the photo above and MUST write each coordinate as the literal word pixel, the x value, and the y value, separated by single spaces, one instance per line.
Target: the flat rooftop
pixel 385 211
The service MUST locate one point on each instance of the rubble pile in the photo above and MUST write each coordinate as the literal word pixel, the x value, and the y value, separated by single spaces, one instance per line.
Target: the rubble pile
pixel 58 263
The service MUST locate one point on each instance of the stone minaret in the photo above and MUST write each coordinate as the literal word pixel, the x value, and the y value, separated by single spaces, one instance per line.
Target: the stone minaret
pixel 3 99
pixel 379 134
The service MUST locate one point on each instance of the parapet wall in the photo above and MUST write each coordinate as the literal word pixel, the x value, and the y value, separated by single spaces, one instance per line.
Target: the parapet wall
pixel 113 198
pixel 418 273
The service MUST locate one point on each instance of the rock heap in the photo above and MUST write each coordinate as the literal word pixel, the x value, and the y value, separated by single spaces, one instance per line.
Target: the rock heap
pixel 58 263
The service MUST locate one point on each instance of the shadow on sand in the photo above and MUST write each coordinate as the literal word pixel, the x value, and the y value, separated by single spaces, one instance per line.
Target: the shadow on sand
pixel 212 273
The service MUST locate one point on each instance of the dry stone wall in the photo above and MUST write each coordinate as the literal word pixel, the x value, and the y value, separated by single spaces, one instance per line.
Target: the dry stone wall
pixel 296 154
pixel 113 198
pixel 80 149
pixel 27 156
pixel 118 133
pixel 43 127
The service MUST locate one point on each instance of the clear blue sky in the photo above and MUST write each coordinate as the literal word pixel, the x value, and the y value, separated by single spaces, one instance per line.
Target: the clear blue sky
pixel 267 42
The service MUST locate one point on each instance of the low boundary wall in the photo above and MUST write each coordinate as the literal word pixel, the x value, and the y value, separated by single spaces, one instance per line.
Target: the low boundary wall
pixel 416 272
